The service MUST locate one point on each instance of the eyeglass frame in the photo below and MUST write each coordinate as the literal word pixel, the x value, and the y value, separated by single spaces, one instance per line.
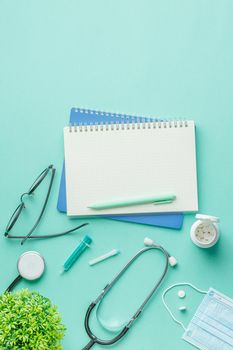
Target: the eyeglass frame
pixel 16 214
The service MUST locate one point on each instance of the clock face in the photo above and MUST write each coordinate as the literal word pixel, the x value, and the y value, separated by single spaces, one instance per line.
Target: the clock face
pixel 205 233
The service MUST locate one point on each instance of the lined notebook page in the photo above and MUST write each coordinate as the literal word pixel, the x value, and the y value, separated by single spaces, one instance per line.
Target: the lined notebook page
pixel 105 165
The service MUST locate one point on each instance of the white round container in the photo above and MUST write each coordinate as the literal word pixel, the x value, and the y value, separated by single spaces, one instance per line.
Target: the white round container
pixel 205 231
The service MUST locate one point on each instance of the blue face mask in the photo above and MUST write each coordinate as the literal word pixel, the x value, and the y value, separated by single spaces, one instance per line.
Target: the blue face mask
pixel 211 328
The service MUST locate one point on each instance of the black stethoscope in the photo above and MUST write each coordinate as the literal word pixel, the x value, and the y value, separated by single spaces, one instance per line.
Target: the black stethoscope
pixel 31 266
pixel 169 261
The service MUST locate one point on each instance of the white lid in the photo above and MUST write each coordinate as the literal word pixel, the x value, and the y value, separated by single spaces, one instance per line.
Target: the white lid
pixel 207 217
pixel 31 265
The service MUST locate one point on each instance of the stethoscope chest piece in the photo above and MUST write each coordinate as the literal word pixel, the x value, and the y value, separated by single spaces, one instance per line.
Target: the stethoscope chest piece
pixel 31 265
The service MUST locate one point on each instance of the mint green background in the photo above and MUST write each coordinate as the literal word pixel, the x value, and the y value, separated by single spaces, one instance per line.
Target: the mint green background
pixel 161 58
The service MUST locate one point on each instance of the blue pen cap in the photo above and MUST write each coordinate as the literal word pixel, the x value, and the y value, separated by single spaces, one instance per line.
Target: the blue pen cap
pixel 87 240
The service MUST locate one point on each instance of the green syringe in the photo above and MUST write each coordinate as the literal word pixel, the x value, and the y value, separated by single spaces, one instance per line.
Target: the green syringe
pixel 83 245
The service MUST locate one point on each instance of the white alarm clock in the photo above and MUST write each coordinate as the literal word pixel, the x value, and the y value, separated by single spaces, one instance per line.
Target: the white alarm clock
pixel 205 231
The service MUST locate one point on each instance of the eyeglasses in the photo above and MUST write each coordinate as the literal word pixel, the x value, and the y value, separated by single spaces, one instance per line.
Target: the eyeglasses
pixel 16 214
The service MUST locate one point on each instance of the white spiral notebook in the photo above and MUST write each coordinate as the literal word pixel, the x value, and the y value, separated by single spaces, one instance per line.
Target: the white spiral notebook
pixel 115 162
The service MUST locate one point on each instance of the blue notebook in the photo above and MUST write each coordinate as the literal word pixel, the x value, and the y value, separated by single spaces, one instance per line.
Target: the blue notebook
pixel 87 117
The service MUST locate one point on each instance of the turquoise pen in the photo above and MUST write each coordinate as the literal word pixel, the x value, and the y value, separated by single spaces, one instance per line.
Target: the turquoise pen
pixel 76 253
pixel 163 199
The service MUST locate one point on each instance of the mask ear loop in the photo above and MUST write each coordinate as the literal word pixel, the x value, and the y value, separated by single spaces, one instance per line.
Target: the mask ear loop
pixel 167 307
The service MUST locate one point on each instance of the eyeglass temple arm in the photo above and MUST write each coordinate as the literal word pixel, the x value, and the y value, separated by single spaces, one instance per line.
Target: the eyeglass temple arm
pixel 49 236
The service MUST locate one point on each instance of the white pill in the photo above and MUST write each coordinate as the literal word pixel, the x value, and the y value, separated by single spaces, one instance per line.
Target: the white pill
pixel 181 294
pixel 182 308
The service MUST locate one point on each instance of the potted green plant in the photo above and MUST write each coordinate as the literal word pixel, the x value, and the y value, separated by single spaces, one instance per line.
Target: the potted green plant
pixel 29 321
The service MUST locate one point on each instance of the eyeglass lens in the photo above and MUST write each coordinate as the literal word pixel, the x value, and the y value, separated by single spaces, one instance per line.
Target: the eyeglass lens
pixel 39 179
pixel 14 217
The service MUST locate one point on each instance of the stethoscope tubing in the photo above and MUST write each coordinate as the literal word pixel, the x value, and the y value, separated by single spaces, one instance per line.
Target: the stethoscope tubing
pixel 93 339
pixel 13 284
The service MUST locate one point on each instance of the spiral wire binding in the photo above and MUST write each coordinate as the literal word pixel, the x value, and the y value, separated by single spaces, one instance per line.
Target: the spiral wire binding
pixel 123 122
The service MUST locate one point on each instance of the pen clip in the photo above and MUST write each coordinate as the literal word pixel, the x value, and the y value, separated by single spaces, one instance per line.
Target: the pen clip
pixel 167 201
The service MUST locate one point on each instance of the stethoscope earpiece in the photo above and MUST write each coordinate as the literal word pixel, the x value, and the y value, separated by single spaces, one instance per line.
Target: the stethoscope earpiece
pixel 172 261
pixel 148 242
